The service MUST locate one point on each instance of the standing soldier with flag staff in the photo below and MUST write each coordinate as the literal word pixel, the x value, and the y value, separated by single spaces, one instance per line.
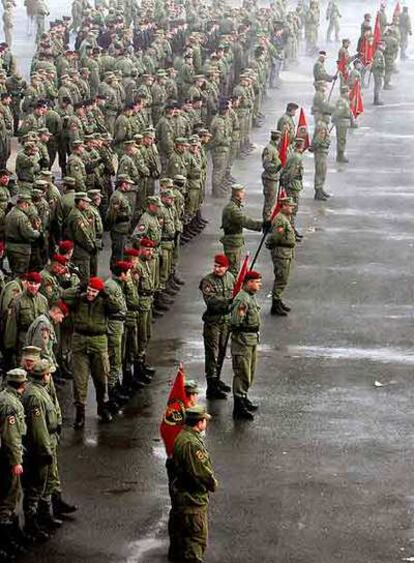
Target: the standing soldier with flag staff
pixel 217 289
pixel 245 327
pixel 281 243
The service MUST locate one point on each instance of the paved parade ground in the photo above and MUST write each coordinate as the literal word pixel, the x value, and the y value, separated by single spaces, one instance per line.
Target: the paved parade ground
pixel 324 473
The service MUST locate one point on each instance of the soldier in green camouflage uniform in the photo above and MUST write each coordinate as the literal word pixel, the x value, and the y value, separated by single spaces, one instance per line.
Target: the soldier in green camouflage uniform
pixel 281 242
pixel 220 150
pixel 12 432
pixel 82 232
pixel 320 147
pixel 343 120
pixel 41 446
pixel 119 217
pixel 115 289
pixel 292 178
pixel 245 327
pixel 233 222
pixel 217 288
pixel 193 480
pixel 271 173
pixel 19 234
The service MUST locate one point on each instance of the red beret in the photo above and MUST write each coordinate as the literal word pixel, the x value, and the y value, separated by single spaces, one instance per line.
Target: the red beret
pixel 66 245
pixel 63 307
pixel 2 246
pixel 252 275
pixel 123 265
pixel 96 283
pixel 147 243
pixel 60 259
pixel 34 277
pixel 131 252
pixel 222 260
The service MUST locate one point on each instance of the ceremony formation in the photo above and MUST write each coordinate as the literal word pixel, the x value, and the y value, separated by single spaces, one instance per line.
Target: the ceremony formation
pixel 205 290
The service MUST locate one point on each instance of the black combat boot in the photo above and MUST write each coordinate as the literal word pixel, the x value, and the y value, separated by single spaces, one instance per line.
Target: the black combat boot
pixel 18 538
pixel 240 411
pixel 214 391
pixel 79 417
pixel 33 531
pixel 160 305
pixel 251 407
pixel 149 370
pixel 139 372
pixel 277 308
pixel 61 507
pixel 223 386
pixel 112 404
pixel 326 194
pixel 320 196
pixel 46 518
pixel 104 412
pixel 285 307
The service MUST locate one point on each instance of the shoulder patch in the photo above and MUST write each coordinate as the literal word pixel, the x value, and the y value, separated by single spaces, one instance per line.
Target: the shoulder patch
pixel 11 419
pixel 200 455
pixel 207 287
pixel 36 412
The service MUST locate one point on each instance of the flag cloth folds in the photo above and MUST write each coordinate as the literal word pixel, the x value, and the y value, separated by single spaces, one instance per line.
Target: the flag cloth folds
pixel 241 275
pixel 173 419
pixel 397 10
pixel 303 130
pixel 283 148
pixel 377 34
pixel 282 194
pixel 355 99
pixel 342 66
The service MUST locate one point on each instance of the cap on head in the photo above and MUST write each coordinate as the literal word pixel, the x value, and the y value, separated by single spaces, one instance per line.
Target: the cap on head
pixel 195 414
pixel 96 283
pixel 16 375
pixel 221 260
pixel 66 246
pixel 147 243
pixel 34 277
pixel 31 353
pixel 41 368
pixel 191 387
pixel 252 275
pixel 134 252
pixel 287 201
pixel 82 196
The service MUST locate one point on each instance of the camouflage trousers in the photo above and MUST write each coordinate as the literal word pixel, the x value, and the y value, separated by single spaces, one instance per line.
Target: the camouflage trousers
pixel 234 254
pixel 341 133
pixel 53 484
pixel 244 367
pixel 270 189
pixel 188 531
pixel 10 491
pixel 19 263
pixel 115 336
pixel 219 158
pixel 144 330
pixel 281 270
pixel 321 158
pixel 90 356
pixel 215 338
pixel 166 254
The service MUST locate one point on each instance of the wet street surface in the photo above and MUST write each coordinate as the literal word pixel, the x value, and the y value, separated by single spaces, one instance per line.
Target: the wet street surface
pixel 324 473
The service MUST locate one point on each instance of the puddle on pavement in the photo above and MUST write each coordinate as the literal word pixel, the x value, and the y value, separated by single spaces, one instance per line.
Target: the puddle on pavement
pixel 381 355
pixel 140 550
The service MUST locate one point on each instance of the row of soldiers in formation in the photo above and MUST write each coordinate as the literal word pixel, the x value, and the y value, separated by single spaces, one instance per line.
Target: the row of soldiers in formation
pixel 237 312
pixel 57 309
pixel 105 111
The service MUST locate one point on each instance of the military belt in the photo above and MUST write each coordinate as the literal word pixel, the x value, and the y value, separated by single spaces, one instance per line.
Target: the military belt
pixel 252 330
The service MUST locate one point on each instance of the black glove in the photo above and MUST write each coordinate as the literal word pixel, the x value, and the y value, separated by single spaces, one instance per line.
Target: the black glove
pixel 266 226
pixel 45 459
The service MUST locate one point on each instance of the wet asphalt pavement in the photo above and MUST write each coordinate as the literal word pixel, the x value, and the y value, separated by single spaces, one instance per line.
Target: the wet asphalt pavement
pixel 324 473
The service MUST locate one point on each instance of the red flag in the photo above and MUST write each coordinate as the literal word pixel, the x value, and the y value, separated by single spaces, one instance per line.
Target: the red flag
pixel 276 209
pixel 397 10
pixel 377 34
pixel 342 66
pixel 240 277
pixel 173 419
pixel 355 98
pixel 366 52
pixel 283 148
pixel 303 131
